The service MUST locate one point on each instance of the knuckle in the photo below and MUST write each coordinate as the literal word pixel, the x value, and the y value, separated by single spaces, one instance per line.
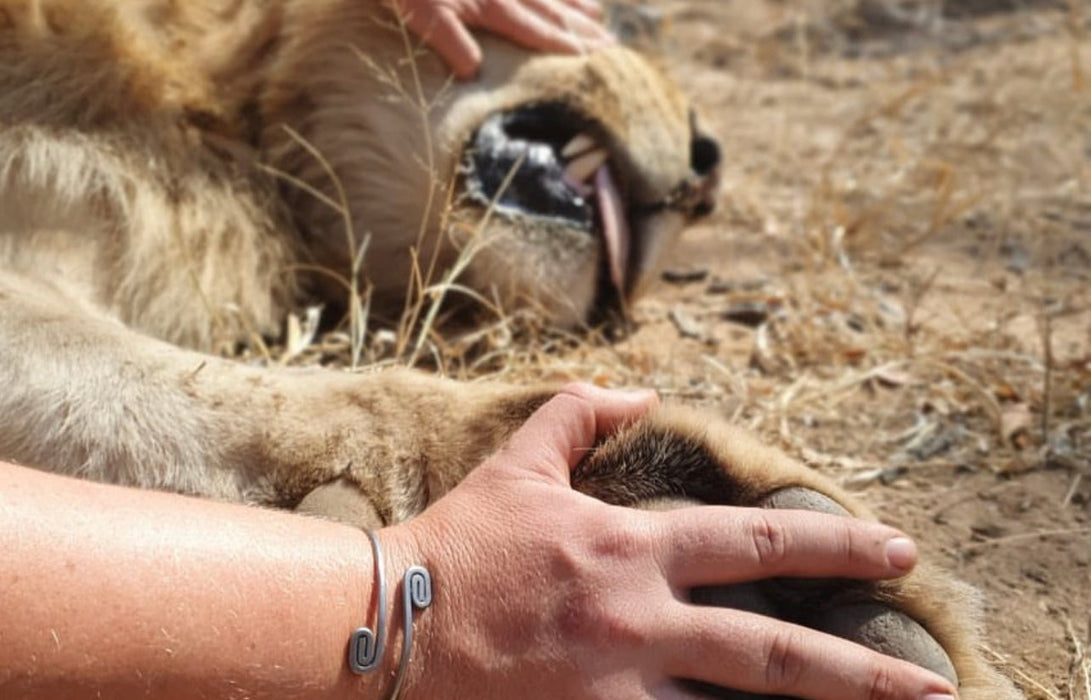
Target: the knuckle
pixel 553 13
pixel 619 629
pixel 770 541
pixel 847 545
pixel 575 389
pixel 578 405
pixel 624 541
pixel 881 685
pixel 600 606
pixel 593 618
pixel 784 660
pixel 508 10
pixel 575 399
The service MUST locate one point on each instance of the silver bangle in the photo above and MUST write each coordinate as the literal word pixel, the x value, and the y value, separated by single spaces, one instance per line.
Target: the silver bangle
pixel 416 595
pixel 366 647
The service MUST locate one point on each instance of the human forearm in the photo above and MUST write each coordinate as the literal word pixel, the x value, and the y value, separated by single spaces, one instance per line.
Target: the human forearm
pixel 209 600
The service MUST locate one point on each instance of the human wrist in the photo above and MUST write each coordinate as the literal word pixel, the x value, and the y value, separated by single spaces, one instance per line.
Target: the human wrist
pixel 400 551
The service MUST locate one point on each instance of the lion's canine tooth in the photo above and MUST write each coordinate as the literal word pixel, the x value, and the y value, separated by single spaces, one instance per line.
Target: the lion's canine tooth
pixel 581 169
pixel 580 143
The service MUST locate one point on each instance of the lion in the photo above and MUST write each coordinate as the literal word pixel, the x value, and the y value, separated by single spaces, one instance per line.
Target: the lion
pixel 175 177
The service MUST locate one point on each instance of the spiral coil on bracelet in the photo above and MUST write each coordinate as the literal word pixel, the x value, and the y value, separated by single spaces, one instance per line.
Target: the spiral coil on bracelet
pixel 416 595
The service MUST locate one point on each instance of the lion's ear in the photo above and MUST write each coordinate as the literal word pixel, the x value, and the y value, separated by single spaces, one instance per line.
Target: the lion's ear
pixel 636 24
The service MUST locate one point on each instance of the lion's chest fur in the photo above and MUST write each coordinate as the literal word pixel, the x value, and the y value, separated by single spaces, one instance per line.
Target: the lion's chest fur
pixel 123 164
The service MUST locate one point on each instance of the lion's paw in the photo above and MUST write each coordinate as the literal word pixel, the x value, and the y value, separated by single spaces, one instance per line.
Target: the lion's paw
pixel 676 459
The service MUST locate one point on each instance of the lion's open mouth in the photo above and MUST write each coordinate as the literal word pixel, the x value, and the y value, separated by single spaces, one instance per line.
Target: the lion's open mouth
pixel 546 162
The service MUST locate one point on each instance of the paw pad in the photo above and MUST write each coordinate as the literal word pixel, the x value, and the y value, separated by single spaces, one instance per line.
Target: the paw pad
pixel 874 625
pixel 841 608
pixel 888 631
pixel 799 498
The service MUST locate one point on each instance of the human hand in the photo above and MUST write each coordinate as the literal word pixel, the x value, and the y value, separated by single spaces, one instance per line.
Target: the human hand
pixel 541 592
pixel 561 26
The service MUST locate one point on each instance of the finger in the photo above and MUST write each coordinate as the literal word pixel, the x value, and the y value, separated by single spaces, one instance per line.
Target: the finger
pixel 529 28
pixel 591 8
pixel 614 408
pixel 552 441
pixel 586 27
pixel 588 32
pixel 445 33
pixel 718 545
pixel 559 434
pixel 780 659
pixel 592 33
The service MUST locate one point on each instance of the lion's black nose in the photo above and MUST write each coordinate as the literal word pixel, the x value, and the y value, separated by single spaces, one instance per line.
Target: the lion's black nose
pixel 704 161
pixel 704 155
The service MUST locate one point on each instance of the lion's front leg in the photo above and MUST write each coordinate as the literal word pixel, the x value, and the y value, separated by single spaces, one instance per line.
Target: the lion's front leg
pixel 369 449
pixel 84 395
pixel 402 440
pixel 677 458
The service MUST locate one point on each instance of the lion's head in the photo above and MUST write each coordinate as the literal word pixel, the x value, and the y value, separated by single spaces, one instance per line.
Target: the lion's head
pixel 566 177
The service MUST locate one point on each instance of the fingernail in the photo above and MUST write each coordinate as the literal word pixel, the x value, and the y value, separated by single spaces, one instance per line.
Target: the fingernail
pixel 901 553
pixel 938 696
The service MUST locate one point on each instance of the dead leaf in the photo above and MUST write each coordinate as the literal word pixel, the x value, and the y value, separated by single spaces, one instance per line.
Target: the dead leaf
pixel 687 326
pixel 1015 421
pixel 1006 392
pixel 893 377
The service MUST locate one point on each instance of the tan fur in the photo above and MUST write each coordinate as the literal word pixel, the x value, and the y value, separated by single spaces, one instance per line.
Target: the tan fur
pixel 167 171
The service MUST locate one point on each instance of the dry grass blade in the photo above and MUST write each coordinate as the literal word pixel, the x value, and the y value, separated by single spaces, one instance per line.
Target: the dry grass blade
pixel 356 249
pixel 478 241
pixel 1081 664
pixel 1076 35
pixel 1012 539
pixel 1034 688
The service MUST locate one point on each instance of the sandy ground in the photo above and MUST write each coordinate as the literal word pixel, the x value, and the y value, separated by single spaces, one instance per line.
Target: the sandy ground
pixel 896 286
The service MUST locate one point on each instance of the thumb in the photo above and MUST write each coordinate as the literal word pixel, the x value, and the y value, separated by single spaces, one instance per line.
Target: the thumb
pixel 560 433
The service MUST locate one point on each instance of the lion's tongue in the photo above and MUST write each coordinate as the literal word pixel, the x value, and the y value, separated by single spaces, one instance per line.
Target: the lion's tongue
pixel 615 228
